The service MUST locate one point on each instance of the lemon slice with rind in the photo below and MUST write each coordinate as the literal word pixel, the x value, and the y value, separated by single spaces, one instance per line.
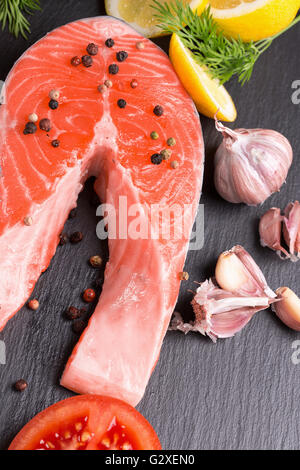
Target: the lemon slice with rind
pixel 141 16
pixel 253 19
pixel 209 96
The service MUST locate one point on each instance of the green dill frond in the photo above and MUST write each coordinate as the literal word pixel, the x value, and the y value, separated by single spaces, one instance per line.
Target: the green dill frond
pixel 224 57
pixel 12 14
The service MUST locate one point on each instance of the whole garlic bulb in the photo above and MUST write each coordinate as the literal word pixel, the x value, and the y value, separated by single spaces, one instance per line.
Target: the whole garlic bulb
pixel 251 164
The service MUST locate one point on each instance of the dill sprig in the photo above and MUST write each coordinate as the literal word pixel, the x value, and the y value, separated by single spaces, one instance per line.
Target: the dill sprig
pixel 12 14
pixel 224 57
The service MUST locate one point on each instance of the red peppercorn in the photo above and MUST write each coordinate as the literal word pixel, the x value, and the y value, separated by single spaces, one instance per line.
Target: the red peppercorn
pixel 73 313
pixel 45 124
pixel 76 237
pixel 20 385
pixel 134 83
pixel 33 304
pixel 76 61
pixel 89 295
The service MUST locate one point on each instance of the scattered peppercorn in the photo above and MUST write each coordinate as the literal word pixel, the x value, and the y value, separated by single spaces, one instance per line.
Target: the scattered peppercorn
pixel 54 94
pixel 171 142
pixel 75 61
pixel 121 103
pixel 89 295
pixel 134 83
pixel 76 237
pixel 33 304
pixel 28 220
pixel 140 45
pixel 20 385
pixel 113 69
pixel 30 128
pixel 72 313
pixel 108 83
pixel 73 213
pixel 174 164
pixel 102 88
pixel 156 158
pixel 109 42
pixel 53 104
pixel 55 143
pixel 184 276
pixel 78 326
pixel 92 49
pixel 154 135
pixel 96 261
pixel 166 154
pixel 63 239
pixel 45 125
pixel 158 110
pixel 87 60
pixel 33 117
pixel 121 56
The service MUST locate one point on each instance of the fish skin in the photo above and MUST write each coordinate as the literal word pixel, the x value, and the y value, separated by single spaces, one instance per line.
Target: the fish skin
pixel 120 347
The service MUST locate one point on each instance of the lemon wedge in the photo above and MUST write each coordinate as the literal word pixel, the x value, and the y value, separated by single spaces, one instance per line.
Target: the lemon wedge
pixel 209 96
pixel 253 19
pixel 141 16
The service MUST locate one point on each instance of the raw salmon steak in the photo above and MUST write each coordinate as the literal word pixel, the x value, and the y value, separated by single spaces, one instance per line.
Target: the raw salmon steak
pixel 110 139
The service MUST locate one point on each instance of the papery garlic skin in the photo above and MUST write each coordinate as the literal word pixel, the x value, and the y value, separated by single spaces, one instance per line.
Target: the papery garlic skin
pixel 270 227
pixel 251 164
pixel 218 313
pixel 288 308
pixel 237 272
pixel 291 229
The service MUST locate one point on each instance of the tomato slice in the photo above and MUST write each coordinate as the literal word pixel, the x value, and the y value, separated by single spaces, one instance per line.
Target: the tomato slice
pixel 87 422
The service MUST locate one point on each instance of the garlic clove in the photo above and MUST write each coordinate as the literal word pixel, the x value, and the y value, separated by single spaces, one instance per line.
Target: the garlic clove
pixel 221 314
pixel 270 226
pixel 291 229
pixel 251 164
pixel 230 273
pixel 237 272
pixel 288 308
pixel 218 313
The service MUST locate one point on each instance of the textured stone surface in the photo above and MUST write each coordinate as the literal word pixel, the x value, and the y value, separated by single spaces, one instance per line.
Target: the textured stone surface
pixel 242 393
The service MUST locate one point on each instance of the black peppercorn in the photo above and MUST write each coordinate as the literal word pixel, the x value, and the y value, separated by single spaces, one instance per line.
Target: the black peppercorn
pixel 63 239
pixel 73 313
pixel 75 61
pixel 156 158
pixel 87 60
pixel 158 110
pixel 121 56
pixel 20 385
pixel 53 104
pixel 92 49
pixel 109 42
pixel 113 69
pixel 55 143
pixel 45 125
pixel 30 128
pixel 76 237
pixel 121 103
pixel 79 326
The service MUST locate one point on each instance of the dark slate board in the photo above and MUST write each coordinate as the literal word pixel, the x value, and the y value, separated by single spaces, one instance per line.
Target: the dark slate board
pixel 242 393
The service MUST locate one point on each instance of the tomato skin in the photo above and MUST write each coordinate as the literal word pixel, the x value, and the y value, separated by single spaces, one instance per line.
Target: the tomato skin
pixel 99 412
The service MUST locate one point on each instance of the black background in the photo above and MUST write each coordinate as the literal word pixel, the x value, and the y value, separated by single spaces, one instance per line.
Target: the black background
pixel 242 393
